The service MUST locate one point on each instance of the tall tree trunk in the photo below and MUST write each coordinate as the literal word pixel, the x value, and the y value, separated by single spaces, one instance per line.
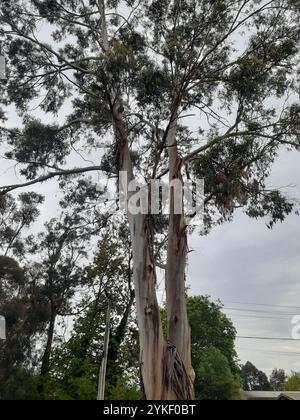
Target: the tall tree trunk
pixel 179 336
pixel 152 345
pixel 166 369
pixel 47 353
pixel 45 368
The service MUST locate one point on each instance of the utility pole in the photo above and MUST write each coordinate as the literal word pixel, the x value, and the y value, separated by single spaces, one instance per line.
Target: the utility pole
pixel 2 328
pixel 2 77
pixel 102 373
pixel 2 66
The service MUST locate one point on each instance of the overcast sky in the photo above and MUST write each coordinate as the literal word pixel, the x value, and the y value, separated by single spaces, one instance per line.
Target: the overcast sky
pixel 245 262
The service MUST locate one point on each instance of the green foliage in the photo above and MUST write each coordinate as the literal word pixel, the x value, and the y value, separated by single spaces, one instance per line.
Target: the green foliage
pixel 16 216
pixel 75 364
pixel 10 269
pixel 214 377
pixel 153 87
pixel 248 77
pixel 26 316
pixel 210 327
pixel 233 176
pixel 277 380
pixel 293 382
pixel 168 53
pixel 38 145
pixel 47 8
pixel 124 391
pixel 273 204
pixel 108 262
pixel 213 350
pixel 254 379
pixel 212 336
pixel 235 63
pixel 21 384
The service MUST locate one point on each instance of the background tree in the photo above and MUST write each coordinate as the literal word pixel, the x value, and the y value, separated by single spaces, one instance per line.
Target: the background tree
pixel 19 304
pixel 211 328
pixel 293 382
pixel 214 377
pixel 26 318
pixel 277 380
pixel 254 379
pixel 213 350
pixel 58 274
pixel 132 81
pixel 16 216
pixel 75 363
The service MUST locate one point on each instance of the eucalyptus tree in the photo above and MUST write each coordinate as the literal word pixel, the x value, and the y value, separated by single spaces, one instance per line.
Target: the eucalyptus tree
pixel 16 306
pixel 16 217
pixel 135 72
pixel 58 271
pixel 26 317
pixel 76 362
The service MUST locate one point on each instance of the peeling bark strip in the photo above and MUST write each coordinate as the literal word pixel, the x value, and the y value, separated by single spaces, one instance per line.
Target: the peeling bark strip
pixel 176 378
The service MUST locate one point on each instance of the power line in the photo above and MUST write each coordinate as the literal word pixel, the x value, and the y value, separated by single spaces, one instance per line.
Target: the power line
pixel 262 304
pixel 259 312
pixel 283 353
pixel 278 318
pixel 267 338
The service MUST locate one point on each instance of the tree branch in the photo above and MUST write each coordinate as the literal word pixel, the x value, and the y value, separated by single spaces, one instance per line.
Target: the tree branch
pixel 230 134
pixel 6 189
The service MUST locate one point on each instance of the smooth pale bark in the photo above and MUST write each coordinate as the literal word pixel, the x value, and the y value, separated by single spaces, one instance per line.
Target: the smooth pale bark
pixel 152 344
pixel 179 334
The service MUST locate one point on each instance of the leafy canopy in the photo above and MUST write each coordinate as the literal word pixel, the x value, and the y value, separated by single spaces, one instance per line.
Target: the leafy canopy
pixel 232 65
